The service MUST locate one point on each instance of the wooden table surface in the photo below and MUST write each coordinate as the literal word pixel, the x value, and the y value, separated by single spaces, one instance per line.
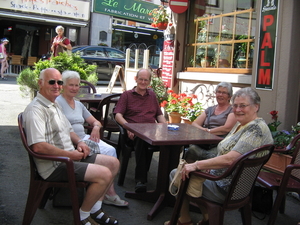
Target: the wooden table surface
pixel 170 142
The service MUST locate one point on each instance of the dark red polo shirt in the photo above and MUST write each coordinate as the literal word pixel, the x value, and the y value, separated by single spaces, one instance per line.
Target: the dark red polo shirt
pixel 136 108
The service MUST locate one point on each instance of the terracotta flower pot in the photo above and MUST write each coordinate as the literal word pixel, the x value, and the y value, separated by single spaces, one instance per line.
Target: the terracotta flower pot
pixel 185 120
pixel 174 117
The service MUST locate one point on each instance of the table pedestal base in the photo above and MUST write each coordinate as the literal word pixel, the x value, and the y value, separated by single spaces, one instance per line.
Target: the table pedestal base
pixel 168 160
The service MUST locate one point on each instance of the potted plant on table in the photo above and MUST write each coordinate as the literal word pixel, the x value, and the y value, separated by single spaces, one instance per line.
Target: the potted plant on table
pixel 177 104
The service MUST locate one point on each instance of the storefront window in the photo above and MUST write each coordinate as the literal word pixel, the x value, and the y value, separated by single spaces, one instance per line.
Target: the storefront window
pixel 222 42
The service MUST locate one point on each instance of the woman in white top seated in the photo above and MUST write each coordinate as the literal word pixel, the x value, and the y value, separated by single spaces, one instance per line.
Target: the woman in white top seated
pixel 77 114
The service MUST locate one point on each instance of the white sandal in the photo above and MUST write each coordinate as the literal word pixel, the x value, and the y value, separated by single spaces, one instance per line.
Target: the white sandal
pixel 114 200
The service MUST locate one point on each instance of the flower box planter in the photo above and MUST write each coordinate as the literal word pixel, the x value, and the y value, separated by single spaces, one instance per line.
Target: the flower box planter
pixel 278 162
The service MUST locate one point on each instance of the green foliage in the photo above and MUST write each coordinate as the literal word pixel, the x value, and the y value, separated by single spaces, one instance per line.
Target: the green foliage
pixel 194 111
pixel 282 138
pixel 28 77
pixel 159 88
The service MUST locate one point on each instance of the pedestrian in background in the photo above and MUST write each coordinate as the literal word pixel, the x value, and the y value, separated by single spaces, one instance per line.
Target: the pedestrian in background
pixel 3 57
pixel 60 42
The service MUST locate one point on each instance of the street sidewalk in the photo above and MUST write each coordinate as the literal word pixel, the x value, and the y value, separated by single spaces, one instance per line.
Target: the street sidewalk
pixel 14 176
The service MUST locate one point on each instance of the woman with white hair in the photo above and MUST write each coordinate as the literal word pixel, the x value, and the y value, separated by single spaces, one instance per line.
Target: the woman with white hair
pixel 218 119
pixel 60 42
pixel 249 132
pixel 3 58
pixel 77 114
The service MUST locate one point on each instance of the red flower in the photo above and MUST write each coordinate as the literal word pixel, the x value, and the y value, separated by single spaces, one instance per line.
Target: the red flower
pixel 164 103
pixel 153 24
pixel 173 102
pixel 274 114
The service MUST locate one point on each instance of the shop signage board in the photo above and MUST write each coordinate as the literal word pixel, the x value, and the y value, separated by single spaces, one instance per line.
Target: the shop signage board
pixel 128 9
pixel 118 72
pixel 168 59
pixel 68 9
pixel 267 45
pixel 178 6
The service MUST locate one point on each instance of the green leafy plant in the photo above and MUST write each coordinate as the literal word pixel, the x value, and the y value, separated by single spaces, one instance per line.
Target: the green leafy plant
pixel 193 112
pixel 296 128
pixel 160 89
pixel 282 138
pixel 28 78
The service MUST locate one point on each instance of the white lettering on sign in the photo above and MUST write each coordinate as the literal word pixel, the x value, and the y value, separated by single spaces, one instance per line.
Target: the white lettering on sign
pixel 63 8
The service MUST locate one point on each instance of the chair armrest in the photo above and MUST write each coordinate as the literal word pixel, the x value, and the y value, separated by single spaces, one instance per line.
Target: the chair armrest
pixel 67 160
pixel 232 167
pixel 52 157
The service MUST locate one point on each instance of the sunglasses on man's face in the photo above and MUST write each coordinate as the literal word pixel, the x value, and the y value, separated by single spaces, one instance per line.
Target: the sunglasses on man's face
pixel 52 82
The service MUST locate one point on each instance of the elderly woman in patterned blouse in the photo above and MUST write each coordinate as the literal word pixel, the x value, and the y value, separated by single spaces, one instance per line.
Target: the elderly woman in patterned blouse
pixel 249 132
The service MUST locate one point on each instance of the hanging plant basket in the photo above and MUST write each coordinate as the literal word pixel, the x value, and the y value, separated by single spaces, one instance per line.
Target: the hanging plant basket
pixel 162 26
pixel 160 18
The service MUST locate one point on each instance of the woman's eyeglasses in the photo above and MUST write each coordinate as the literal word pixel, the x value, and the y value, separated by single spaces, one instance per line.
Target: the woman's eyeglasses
pixel 52 82
pixel 221 92
pixel 242 106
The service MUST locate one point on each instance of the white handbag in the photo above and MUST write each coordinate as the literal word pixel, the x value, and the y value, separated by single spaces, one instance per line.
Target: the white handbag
pixel 1 55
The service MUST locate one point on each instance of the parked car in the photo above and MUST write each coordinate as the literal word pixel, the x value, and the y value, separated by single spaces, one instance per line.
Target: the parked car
pixel 106 58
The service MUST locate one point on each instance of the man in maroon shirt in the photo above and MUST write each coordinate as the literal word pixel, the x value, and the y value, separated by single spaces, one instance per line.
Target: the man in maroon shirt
pixel 140 105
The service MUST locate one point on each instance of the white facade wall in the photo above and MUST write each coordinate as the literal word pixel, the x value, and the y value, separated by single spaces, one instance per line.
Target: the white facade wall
pixel 100 22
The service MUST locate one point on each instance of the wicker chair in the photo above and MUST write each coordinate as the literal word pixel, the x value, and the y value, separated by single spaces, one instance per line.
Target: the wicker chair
pixel 244 170
pixel 282 183
pixel 40 190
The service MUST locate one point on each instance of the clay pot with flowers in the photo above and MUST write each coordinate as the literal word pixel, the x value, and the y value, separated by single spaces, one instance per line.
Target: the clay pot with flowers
pixel 160 18
pixel 176 105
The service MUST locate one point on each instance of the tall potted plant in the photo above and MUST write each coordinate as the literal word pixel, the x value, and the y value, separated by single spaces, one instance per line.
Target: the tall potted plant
pixel 28 78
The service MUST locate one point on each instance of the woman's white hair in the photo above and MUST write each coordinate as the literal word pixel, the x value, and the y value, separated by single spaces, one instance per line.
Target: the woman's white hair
pixel 59 28
pixel 69 74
